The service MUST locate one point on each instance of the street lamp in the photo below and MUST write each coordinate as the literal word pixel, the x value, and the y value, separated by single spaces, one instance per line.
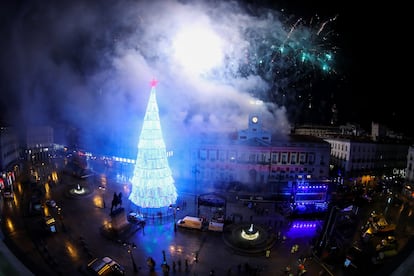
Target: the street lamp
pixel 270 169
pixel 195 171
pixel 130 247
pixel 102 189
pixel 174 209
pixel 59 212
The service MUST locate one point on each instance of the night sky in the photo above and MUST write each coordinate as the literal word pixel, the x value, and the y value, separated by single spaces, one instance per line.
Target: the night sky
pixel 88 65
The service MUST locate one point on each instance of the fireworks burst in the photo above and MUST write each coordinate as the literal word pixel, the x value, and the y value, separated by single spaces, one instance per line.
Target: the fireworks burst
pixel 305 48
pixel 217 55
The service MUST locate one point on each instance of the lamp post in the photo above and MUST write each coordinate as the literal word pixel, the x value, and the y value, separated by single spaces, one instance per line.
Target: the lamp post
pixel 196 172
pixel 130 247
pixel 269 162
pixel 102 189
pixel 174 210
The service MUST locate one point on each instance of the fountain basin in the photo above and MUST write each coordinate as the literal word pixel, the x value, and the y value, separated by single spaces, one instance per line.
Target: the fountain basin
pixel 248 239
pixel 78 191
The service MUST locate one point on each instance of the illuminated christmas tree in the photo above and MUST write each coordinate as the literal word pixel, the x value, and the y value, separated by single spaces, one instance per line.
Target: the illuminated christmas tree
pixel 152 182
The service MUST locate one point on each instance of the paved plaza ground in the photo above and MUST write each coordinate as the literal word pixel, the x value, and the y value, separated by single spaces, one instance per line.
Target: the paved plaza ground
pixel 79 239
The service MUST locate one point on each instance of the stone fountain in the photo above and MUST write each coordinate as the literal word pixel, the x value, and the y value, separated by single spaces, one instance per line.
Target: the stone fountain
pixel 78 191
pixel 248 238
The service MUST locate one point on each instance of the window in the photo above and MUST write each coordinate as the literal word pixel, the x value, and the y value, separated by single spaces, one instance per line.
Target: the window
pixel 302 158
pixel 203 154
pixel 263 158
pixel 212 155
pixel 311 158
pixel 232 156
pixel 275 157
pixel 293 157
pixel 252 158
pixel 222 155
pixel 242 157
pixel 284 158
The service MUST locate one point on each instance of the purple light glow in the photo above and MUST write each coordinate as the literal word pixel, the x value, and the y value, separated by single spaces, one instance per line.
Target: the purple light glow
pixel 304 225
pixel 300 229
pixel 313 187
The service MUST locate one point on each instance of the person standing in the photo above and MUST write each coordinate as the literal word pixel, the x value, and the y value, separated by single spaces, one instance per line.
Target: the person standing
pixel 120 199
pixel 186 265
pixel 143 227
pixel 174 266
pixel 114 202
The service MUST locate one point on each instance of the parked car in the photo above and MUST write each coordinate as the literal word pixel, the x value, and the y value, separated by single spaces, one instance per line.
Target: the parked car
pixel 136 218
pixel 104 266
pixel 387 244
pixel 35 206
pixel 377 225
pixel 8 193
pixel 216 226
pixel 50 203
pixel 356 261
pixel 49 223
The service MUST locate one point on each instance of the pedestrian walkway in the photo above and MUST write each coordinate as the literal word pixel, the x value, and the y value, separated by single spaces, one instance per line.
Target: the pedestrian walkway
pixel 198 252
pixel 213 254
pixel 9 263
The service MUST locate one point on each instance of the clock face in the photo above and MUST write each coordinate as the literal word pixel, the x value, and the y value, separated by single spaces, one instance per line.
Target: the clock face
pixel 255 119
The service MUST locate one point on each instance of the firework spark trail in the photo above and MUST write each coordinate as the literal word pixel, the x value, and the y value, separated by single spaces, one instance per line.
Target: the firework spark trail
pixel 302 51
pixel 324 23
pixel 120 46
pixel 292 29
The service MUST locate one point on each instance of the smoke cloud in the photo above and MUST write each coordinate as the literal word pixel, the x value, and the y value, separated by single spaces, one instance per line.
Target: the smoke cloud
pixel 88 65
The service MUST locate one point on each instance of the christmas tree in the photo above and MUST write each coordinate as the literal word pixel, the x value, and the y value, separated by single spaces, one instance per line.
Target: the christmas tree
pixel 152 182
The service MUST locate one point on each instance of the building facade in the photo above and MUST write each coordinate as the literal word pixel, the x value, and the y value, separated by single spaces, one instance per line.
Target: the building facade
pixel 9 156
pixel 410 165
pixel 357 156
pixel 256 158
pixel 408 189
pixel 39 143
pixel 355 152
pixel 9 148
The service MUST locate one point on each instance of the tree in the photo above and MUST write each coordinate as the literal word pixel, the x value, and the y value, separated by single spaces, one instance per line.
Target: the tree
pixel 152 182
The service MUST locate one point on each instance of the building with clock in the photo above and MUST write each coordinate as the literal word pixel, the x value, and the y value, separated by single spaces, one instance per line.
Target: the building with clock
pixel 258 161
pixel 255 130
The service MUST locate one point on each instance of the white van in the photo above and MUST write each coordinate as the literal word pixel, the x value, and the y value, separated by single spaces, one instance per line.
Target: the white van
pixel 215 226
pixel 190 222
